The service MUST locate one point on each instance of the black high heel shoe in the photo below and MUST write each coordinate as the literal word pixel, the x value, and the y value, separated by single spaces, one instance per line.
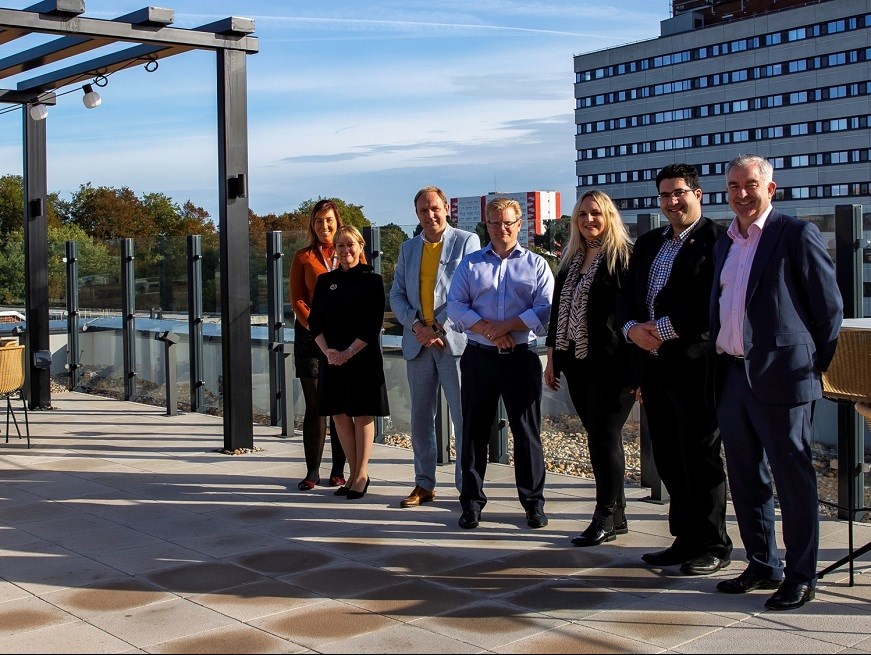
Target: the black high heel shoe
pixel 341 491
pixel 356 495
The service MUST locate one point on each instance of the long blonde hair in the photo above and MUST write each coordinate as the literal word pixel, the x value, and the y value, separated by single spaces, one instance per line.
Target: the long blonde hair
pixel 616 243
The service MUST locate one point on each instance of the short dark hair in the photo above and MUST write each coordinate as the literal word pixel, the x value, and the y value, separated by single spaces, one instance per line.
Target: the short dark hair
pixel 684 171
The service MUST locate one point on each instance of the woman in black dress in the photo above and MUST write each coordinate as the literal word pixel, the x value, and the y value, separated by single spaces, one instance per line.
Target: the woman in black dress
pixel 584 343
pixel 346 317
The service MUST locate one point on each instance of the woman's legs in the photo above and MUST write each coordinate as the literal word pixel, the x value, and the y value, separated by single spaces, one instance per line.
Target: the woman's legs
pixel 314 429
pixel 345 430
pixel 364 437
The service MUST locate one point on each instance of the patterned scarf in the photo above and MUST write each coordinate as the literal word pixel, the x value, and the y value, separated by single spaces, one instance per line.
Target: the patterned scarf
pixel 572 317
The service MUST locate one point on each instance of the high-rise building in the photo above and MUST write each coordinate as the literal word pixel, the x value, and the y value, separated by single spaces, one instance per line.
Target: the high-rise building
pixel 786 79
pixel 537 206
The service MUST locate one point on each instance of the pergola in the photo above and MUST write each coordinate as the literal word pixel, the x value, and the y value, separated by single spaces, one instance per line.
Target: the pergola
pixel 152 39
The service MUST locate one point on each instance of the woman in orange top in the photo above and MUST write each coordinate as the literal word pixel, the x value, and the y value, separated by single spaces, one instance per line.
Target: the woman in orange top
pixel 309 262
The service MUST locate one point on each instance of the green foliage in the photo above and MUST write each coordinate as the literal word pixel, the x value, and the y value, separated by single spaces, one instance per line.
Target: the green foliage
pixel 12 205
pixel 392 237
pixel 351 214
pixel 94 259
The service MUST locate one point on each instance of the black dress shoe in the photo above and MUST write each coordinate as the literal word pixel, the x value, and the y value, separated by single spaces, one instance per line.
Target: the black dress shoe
pixel 790 596
pixel 704 565
pixel 470 518
pixel 535 518
pixel 597 533
pixel 668 557
pixel 747 581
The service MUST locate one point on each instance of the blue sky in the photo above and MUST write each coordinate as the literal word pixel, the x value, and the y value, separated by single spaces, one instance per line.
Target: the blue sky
pixel 366 101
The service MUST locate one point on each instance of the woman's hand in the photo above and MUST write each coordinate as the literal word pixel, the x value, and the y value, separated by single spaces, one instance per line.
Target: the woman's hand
pixel 551 380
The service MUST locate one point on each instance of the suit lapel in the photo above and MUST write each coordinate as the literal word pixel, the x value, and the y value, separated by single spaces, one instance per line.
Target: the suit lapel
pixel 767 243
pixel 448 242
pixel 412 277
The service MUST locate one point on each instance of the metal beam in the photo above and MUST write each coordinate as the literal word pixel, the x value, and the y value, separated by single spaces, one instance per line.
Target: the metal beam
pixel 27 97
pixel 59 7
pixel 106 65
pixel 69 46
pixel 14 19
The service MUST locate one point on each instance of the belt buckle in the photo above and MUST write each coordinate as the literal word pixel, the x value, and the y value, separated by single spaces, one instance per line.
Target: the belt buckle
pixel 504 351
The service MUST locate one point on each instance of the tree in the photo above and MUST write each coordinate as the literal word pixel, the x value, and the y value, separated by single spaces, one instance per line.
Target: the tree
pixel 392 237
pixel 107 213
pixel 12 205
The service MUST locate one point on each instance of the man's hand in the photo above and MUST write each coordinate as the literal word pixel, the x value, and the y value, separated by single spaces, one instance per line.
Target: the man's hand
pixel 645 335
pixel 426 336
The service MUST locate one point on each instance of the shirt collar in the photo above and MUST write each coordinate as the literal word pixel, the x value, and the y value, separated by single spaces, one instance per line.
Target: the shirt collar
pixel 734 233
pixel 518 249
pixel 668 232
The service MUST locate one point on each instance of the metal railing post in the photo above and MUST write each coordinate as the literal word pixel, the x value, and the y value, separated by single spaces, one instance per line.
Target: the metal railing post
pixel 275 287
pixel 195 321
pixel 73 355
pixel 649 474
pixel 443 429
pixel 170 373
pixel 851 428
pixel 128 317
pixel 498 452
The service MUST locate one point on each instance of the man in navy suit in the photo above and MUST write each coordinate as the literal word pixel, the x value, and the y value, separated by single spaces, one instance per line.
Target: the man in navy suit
pixel 775 316
pixel 430 344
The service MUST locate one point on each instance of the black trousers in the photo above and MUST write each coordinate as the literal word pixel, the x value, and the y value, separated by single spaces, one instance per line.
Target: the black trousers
pixel 686 449
pixel 517 377
pixel 603 404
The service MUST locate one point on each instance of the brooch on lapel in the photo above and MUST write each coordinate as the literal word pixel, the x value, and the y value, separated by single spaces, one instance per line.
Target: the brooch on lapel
pixel 334 286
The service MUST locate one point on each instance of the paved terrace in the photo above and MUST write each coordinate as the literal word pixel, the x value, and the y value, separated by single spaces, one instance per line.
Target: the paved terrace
pixel 122 530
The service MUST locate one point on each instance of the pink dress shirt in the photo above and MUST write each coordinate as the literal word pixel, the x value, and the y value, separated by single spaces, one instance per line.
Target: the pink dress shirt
pixel 733 285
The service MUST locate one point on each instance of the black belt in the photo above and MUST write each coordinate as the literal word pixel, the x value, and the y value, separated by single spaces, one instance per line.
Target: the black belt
pixel 496 349
pixel 732 359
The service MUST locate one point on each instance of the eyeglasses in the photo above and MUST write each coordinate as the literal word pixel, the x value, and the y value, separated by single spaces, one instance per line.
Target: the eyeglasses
pixel 505 225
pixel 677 194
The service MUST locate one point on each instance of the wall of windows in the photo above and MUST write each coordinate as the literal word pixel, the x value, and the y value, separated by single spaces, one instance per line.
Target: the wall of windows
pixel 813 31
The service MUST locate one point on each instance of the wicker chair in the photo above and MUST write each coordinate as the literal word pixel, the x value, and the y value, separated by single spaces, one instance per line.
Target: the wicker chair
pixel 11 382
pixel 849 379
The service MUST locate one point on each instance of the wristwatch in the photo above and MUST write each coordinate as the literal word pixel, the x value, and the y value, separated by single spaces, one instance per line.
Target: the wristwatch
pixel 438 329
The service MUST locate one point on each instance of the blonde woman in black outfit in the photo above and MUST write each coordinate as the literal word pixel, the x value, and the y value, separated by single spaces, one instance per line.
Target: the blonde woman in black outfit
pixel 585 345
pixel 346 316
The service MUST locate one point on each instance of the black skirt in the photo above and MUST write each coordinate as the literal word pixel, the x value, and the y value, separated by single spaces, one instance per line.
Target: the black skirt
pixel 305 352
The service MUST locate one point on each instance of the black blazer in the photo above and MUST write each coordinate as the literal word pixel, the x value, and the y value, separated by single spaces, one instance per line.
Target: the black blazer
pixel 685 298
pixel 606 347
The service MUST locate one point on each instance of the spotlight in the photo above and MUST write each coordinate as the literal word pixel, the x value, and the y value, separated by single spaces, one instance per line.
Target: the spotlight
pixel 38 112
pixel 91 98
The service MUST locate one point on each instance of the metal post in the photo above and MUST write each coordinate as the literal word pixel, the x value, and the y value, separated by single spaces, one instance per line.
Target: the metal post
pixel 498 452
pixel 170 372
pixel 73 355
pixel 235 268
pixel 649 474
pixel 37 386
pixel 275 287
pixel 851 429
pixel 285 383
pixel 128 317
pixel 195 321
pixel 443 429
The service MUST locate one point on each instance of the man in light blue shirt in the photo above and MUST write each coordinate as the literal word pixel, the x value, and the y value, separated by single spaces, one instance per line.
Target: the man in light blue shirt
pixel 500 297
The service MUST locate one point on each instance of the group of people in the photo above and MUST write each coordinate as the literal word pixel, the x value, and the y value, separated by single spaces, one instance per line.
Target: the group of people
pixel 721 334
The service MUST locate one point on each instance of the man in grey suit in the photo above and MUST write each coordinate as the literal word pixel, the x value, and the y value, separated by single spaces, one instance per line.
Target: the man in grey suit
pixel 430 345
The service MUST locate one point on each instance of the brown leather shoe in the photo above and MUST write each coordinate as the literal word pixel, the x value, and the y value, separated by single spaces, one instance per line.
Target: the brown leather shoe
pixel 418 497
